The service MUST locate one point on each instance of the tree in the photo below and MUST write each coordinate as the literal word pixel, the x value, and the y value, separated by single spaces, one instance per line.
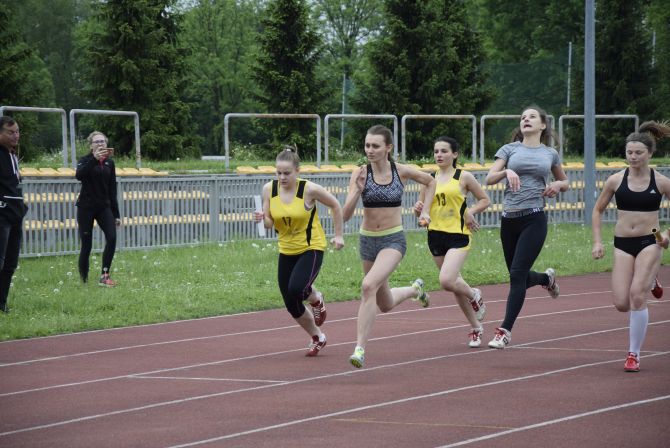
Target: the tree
pixel 24 81
pixel 624 76
pixel 659 18
pixel 133 62
pixel 221 37
pixel 51 35
pixel 285 70
pixel 428 60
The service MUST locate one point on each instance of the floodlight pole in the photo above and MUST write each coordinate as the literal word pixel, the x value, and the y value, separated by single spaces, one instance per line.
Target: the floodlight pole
pixel 589 111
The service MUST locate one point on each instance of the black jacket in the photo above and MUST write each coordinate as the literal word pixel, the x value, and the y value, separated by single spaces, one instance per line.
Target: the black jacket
pixel 98 184
pixel 12 207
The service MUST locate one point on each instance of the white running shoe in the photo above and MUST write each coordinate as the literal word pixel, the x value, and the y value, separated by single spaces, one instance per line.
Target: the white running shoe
pixel 501 339
pixel 475 337
pixel 478 304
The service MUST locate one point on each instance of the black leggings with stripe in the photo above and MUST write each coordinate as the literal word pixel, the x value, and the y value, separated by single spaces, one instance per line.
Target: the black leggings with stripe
pixel 295 274
pixel 522 240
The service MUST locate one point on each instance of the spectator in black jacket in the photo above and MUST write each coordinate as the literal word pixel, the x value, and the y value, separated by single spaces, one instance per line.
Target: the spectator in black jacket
pixel 97 201
pixel 12 207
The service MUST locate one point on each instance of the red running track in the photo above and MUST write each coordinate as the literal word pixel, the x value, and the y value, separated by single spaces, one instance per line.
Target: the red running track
pixel 243 380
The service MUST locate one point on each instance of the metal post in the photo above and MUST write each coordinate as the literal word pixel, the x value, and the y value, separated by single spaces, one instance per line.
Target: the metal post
pixel 589 111
pixel 45 109
pixel 472 119
pixel 226 140
pixel 130 113
pixel 362 116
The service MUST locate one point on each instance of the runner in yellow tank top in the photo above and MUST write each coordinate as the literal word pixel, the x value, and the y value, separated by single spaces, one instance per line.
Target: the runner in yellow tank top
pixel 298 226
pixel 289 205
pixel 451 224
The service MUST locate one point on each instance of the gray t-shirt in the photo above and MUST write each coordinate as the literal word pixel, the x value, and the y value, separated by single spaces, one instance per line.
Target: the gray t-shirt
pixel 533 165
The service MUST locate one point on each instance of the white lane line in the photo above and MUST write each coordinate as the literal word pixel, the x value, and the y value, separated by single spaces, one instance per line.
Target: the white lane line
pixel 558 420
pixel 391 403
pixel 235 380
pixel 316 378
pixel 241 333
pixel 224 361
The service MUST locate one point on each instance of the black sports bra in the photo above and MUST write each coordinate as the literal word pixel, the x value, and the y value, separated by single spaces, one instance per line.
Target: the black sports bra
pixel 648 200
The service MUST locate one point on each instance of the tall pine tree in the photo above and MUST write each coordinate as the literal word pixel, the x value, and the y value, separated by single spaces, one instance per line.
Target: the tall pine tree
pixel 286 67
pixel 427 61
pixel 133 62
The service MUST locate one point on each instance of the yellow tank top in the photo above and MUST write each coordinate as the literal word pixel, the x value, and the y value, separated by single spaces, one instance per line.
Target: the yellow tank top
pixel 299 229
pixel 447 213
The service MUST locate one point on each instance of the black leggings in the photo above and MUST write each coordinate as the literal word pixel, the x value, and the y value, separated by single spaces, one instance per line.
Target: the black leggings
pixel 522 240
pixel 105 219
pixel 10 246
pixel 295 274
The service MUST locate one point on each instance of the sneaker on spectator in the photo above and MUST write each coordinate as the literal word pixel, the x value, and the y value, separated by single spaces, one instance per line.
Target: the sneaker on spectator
pixel 475 337
pixel 316 345
pixel 422 296
pixel 552 287
pixel 358 357
pixel 478 304
pixel 105 280
pixel 501 339
pixel 632 363
pixel 319 311
pixel 657 289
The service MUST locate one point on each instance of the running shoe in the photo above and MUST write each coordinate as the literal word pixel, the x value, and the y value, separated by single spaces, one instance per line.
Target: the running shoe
pixel 501 339
pixel 422 295
pixel 657 289
pixel 105 280
pixel 358 357
pixel 475 337
pixel 316 345
pixel 319 311
pixel 552 287
pixel 632 363
pixel 478 305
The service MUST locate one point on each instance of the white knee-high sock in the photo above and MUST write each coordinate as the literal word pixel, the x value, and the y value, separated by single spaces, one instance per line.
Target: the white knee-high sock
pixel 638 329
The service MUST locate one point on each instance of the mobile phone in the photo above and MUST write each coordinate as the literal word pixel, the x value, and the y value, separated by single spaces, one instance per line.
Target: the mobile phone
pixel 110 152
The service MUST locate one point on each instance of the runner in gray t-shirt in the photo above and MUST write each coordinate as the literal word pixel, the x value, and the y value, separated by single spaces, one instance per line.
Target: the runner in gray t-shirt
pixel 526 164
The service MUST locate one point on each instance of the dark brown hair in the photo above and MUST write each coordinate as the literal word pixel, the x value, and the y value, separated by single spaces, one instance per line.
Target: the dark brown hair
pixel 452 142
pixel 649 132
pixel 547 133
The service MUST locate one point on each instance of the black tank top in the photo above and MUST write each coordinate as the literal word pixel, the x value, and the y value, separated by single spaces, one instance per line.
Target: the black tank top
pixel 648 200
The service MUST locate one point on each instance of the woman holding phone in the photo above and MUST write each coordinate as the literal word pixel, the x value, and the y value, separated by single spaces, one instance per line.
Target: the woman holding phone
pixel 97 202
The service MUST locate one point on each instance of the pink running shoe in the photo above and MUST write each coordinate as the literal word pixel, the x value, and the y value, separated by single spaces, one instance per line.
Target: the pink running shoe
pixel 319 311
pixel 315 346
pixel 632 363
pixel 106 281
pixel 657 289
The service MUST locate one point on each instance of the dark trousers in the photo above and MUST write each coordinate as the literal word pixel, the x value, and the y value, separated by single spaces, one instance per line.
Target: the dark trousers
pixel 295 274
pixel 10 246
pixel 105 220
pixel 522 240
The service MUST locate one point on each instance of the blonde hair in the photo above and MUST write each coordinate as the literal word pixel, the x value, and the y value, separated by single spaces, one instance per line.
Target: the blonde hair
pixel 649 132
pixel 92 135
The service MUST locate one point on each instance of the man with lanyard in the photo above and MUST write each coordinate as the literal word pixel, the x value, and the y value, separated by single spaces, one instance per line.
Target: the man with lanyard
pixel 12 207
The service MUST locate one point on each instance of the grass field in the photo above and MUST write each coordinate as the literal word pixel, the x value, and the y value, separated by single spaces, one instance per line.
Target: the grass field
pixel 160 285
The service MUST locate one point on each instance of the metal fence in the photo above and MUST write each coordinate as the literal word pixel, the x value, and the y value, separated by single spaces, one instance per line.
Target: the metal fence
pixel 177 211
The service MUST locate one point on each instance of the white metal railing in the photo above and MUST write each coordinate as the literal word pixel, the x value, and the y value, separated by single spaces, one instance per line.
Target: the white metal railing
pixel 361 117
pixel 73 133
pixel 183 210
pixel 562 118
pixel 472 118
pixel 227 117
pixel 45 109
